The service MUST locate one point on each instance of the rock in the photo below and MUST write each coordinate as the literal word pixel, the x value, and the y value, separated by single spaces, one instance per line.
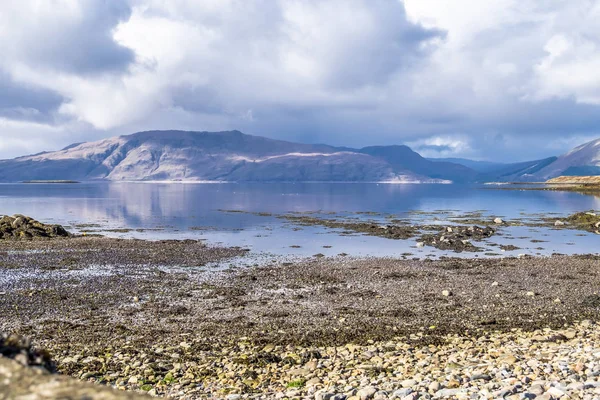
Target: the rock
pixel 22 227
pixel 313 381
pixel 434 386
pixel 20 349
pixel 481 377
pixel 322 395
pixel 412 396
pixel 408 383
pixel 401 393
pixel 447 392
pixel 366 393
pixel 570 333
pixel 556 392
pixel 498 221
pixel 537 390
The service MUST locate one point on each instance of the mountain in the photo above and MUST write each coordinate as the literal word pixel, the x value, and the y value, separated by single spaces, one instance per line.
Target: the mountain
pixel 519 172
pixel 402 158
pixel 225 156
pixel 582 160
pixel 479 166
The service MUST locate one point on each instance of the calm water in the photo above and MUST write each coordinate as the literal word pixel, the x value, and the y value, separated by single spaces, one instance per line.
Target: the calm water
pixel 179 210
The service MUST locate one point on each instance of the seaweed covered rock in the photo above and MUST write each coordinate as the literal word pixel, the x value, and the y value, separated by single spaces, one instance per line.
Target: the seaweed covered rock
pixel 22 227
pixel 588 221
pixel 457 238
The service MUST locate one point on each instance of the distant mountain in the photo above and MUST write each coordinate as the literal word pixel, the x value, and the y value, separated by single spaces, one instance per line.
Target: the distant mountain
pixel 226 156
pixel 402 158
pixel 519 172
pixel 479 166
pixel 234 156
pixel 582 160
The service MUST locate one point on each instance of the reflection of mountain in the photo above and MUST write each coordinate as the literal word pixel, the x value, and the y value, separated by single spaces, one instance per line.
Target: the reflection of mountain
pixel 226 156
pixel 149 205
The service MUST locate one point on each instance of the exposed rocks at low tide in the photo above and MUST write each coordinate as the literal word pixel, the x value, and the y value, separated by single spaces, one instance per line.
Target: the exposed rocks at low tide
pixel 457 238
pixel 389 231
pixel 588 221
pixel 23 227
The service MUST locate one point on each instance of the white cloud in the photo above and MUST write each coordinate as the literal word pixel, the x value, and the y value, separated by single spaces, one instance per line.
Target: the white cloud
pixel 353 72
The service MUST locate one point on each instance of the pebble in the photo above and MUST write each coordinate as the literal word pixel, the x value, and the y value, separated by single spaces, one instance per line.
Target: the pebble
pixel 515 365
pixel 366 393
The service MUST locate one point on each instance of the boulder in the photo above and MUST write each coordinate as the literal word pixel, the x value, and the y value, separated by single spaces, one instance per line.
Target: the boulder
pixel 22 227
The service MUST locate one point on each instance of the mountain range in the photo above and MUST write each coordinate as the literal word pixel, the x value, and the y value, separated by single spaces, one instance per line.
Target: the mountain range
pixel 234 156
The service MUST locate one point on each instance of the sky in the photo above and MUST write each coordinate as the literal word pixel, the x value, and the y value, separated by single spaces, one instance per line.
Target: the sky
pixel 499 80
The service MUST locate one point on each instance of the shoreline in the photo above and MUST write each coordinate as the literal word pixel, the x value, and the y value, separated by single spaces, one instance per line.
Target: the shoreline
pixel 111 310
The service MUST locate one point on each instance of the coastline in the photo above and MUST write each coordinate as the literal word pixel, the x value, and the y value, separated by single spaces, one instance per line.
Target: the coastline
pixel 156 317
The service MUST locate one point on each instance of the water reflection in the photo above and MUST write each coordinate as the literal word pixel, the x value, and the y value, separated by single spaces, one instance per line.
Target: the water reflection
pixel 178 207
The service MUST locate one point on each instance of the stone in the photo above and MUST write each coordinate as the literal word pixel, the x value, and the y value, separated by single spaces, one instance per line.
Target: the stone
pixel 537 390
pixel 408 383
pixel 447 392
pixel 401 393
pixel 313 381
pixel 366 393
pixel 556 392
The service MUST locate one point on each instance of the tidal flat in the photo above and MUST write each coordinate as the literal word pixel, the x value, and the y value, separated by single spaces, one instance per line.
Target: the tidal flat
pixel 187 320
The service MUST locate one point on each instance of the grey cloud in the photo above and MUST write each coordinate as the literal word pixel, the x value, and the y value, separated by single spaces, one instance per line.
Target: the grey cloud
pixel 14 95
pixel 344 72
pixel 81 45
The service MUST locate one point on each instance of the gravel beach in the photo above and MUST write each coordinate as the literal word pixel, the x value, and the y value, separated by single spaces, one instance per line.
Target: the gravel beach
pixel 182 319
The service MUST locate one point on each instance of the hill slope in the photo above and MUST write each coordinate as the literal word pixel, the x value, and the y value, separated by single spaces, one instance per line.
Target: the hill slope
pixel 582 160
pixel 479 166
pixel 403 158
pixel 223 156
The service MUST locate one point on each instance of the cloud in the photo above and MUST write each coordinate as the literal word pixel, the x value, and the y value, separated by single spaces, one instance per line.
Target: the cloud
pixel 67 36
pixel 462 78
